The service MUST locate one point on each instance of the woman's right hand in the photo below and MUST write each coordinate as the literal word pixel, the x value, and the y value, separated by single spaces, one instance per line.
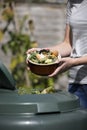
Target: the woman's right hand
pixel 27 52
pixel 30 50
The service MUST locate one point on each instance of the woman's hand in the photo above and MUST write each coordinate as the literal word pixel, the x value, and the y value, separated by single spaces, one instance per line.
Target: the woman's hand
pixel 32 49
pixel 27 52
pixel 64 65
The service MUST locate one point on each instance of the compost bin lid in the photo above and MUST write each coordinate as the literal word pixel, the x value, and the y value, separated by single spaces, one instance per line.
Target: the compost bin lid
pixel 62 101
pixel 6 79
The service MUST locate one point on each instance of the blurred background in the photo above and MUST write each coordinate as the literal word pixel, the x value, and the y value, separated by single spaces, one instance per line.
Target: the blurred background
pixel 27 24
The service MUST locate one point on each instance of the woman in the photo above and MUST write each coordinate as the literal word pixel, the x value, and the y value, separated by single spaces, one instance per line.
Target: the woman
pixel 74 49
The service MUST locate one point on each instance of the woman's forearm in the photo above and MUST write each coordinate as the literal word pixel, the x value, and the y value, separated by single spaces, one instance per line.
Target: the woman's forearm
pixel 63 48
pixel 79 61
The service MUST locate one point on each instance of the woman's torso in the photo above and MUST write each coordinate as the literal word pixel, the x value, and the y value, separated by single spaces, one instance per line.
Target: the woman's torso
pixel 78 24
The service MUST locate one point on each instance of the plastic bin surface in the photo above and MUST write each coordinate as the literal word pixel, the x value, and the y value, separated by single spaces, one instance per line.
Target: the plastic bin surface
pixel 59 111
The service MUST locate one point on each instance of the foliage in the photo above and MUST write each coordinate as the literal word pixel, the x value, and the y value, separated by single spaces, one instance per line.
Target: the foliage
pixel 17 45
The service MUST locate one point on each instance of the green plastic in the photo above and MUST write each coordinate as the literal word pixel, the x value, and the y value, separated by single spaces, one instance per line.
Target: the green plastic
pixel 59 111
pixel 6 79
pixel 43 103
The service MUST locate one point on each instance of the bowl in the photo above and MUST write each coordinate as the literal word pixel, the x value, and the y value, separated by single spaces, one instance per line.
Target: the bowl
pixel 43 69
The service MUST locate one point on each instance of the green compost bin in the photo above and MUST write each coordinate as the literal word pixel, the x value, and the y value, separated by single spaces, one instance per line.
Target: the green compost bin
pixel 57 111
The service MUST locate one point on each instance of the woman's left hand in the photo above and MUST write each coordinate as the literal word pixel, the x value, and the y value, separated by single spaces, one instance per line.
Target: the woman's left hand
pixel 64 65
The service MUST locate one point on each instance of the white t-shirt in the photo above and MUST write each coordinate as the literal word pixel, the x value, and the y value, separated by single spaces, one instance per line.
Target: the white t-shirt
pixel 77 19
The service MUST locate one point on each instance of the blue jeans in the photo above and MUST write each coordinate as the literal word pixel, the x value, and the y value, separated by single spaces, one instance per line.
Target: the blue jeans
pixel 81 91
